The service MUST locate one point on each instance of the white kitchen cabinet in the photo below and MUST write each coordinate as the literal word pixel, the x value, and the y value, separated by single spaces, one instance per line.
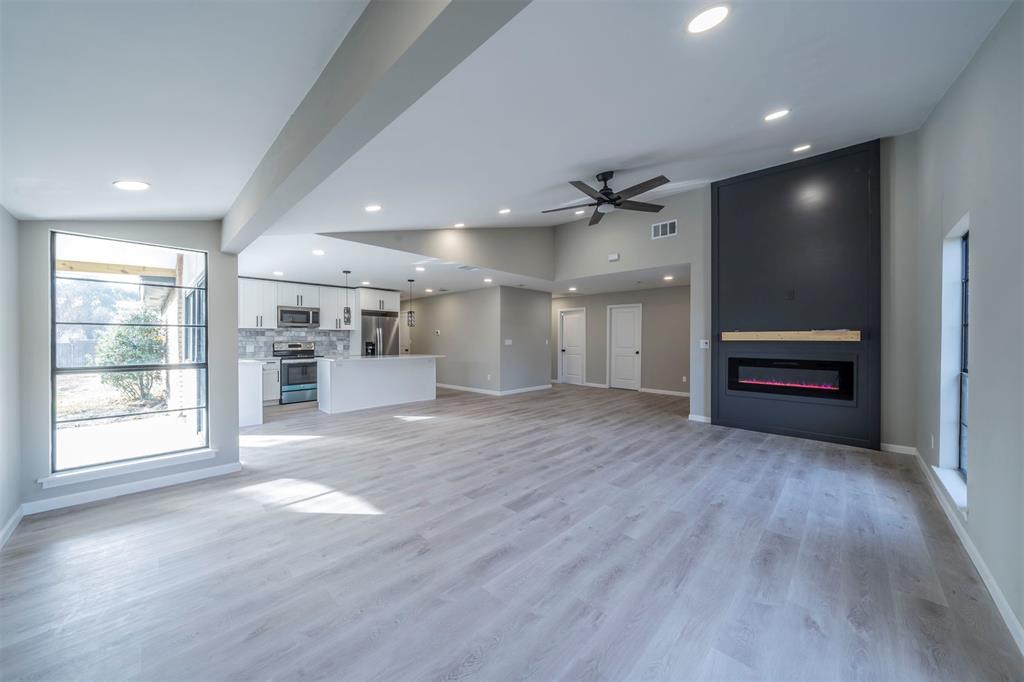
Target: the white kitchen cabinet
pixel 298 295
pixel 332 308
pixel 377 299
pixel 257 304
pixel 271 382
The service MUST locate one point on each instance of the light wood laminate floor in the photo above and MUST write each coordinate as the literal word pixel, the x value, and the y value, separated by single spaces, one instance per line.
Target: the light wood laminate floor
pixel 574 533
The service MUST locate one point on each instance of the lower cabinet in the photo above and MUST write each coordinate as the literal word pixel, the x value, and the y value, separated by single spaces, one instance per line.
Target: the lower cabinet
pixel 271 382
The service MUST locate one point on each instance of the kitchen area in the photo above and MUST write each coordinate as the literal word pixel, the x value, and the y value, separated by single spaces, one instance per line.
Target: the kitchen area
pixel 330 348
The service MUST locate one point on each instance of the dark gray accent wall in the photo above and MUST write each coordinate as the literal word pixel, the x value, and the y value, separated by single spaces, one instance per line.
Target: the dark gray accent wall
pixel 797 247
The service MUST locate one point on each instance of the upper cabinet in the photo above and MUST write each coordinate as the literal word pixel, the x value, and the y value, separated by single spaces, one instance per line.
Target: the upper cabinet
pixel 376 299
pixel 298 295
pixel 333 302
pixel 257 304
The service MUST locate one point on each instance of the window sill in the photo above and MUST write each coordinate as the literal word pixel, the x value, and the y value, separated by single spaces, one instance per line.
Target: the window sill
pixel 100 471
pixel 955 485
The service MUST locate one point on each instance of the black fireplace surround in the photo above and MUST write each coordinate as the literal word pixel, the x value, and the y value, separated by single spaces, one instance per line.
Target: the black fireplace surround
pixel 797 248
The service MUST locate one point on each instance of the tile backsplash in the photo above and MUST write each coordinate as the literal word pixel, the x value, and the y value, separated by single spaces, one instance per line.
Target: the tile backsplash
pixel 259 343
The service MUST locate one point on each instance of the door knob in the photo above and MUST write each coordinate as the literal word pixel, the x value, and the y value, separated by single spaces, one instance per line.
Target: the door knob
pixel 563 350
pixel 638 352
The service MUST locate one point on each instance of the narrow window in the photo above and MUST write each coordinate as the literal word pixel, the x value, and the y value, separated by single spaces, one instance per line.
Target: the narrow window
pixel 129 373
pixel 964 317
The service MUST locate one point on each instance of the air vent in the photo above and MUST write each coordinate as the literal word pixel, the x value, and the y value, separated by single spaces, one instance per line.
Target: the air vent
pixel 442 290
pixel 468 268
pixel 662 230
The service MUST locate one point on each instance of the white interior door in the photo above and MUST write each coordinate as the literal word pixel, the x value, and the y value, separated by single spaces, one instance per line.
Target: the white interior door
pixel 574 349
pixel 624 347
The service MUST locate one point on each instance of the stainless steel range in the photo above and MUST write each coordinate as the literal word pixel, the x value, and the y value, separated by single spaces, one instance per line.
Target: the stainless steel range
pixel 298 370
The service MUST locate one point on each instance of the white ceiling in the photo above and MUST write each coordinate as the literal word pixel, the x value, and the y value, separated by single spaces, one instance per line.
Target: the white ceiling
pixel 187 95
pixel 391 269
pixel 567 89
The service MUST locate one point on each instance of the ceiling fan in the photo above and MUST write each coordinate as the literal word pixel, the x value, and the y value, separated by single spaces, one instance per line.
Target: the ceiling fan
pixel 606 199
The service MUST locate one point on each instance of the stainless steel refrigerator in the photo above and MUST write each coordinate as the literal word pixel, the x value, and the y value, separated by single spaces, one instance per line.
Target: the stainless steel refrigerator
pixel 380 327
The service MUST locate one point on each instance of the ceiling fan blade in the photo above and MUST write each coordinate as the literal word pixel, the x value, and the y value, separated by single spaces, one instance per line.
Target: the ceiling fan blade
pixel 639 206
pixel 596 218
pixel 568 208
pixel 645 186
pixel 588 190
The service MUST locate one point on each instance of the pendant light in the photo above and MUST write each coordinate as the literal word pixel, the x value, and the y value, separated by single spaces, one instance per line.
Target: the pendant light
pixel 410 317
pixel 346 314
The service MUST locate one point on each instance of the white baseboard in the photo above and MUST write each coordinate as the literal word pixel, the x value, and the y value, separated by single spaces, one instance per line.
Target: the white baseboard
pixel 488 391
pixel 51 503
pixel 949 507
pixel 11 524
pixel 898 449
pixel 593 385
pixel 663 391
pixel 700 418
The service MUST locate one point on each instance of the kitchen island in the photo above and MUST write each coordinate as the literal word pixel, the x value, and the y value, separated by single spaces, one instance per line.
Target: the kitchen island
pixel 361 382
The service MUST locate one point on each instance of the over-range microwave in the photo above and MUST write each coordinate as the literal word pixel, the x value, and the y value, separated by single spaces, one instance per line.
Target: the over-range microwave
pixel 288 316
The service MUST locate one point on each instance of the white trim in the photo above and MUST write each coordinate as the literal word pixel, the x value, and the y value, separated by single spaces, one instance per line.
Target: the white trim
pixel 608 344
pixel 664 391
pixel 898 449
pixel 699 418
pixel 956 520
pixel 93 473
pixel 469 389
pixel 488 391
pixel 583 374
pixel 527 389
pixel 108 492
pixel 593 385
pixel 11 525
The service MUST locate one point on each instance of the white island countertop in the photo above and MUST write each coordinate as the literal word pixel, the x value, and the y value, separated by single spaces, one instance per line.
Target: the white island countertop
pixel 375 358
pixel 359 382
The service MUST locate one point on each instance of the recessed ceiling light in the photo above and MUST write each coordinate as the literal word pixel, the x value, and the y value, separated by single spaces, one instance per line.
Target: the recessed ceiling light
pixel 572 288
pixel 460 224
pixel 775 115
pixel 487 280
pixel 708 19
pixel 801 148
pixel 420 268
pixel 373 208
pixel 429 291
pixel 318 252
pixel 505 211
pixel 668 278
pixel 365 284
pixel 131 185
pixel 580 212
pixel 278 273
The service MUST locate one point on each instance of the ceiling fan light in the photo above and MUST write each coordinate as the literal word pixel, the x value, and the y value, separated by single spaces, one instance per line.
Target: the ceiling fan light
pixel 605 208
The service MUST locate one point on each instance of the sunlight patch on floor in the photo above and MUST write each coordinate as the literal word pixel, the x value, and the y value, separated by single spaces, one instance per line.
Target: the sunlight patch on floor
pixel 412 418
pixel 307 497
pixel 270 441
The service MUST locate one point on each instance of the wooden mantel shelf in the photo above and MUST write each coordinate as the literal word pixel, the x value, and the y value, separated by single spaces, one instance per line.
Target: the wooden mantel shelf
pixel 806 335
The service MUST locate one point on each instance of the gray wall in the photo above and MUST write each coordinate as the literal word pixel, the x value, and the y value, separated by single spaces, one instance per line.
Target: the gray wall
pixel 582 251
pixel 34 286
pixel 665 335
pixel 899 304
pixel 469 323
pixel 10 450
pixel 525 316
pixel 970 156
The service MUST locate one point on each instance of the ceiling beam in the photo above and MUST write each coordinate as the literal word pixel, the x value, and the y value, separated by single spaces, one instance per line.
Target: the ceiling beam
pixel 395 52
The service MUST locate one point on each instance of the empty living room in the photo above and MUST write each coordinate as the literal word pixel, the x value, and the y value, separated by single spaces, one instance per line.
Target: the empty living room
pixel 512 339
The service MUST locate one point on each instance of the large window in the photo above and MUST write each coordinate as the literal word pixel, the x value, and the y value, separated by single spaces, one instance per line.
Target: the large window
pixel 964 298
pixel 129 350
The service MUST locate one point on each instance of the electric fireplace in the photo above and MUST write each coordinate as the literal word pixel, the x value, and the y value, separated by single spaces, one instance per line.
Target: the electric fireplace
pixel 828 379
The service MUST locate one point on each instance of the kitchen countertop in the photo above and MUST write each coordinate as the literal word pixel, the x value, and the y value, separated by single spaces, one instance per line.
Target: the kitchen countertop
pixel 372 358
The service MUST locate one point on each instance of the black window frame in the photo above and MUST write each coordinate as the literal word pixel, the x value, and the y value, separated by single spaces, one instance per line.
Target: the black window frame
pixel 962 426
pixel 55 371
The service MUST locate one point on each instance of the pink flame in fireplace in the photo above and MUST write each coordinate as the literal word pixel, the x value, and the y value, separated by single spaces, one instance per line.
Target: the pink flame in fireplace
pixel 788 384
